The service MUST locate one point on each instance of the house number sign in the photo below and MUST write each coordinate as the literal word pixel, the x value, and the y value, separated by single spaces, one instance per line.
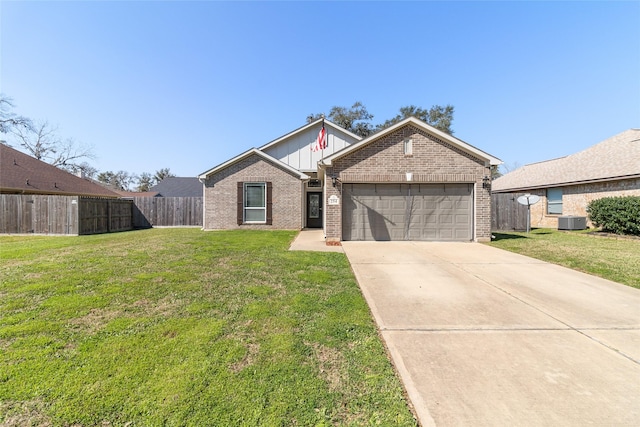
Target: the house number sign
pixel 333 200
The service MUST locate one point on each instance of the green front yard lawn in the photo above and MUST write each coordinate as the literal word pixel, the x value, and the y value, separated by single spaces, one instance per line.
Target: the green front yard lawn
pixel 187 328
pixel 616 259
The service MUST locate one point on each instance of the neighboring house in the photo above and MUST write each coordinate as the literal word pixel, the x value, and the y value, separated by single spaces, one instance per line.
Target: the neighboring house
pixel 134 194
pixel 178 187
pixel 567 185
pixel 23 174
pixel 407 182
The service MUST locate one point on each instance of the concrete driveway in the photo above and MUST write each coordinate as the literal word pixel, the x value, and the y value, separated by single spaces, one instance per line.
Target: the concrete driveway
pixel 484 337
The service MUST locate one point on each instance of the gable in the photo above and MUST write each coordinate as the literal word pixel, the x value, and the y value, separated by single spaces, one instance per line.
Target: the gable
pixel 253 156
pixel 430 158
pixel 294 149
pixel 247 154
pixel 426 130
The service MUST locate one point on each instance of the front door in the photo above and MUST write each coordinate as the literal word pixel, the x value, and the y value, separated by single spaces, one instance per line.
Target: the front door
pixel 314 210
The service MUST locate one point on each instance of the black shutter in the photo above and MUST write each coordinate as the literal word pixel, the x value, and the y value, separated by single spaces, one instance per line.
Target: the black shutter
pixel 269 210
pixel 240 203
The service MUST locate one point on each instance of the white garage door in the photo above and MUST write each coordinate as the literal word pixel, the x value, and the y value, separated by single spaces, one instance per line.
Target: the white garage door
pixel 431 212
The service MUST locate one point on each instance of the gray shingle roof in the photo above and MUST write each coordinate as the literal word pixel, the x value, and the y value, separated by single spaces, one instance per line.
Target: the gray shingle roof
pixel 178 187
pixel 615 158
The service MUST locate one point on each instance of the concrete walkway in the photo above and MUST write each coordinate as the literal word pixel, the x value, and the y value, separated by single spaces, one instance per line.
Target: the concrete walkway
pixel 484 337
pixel 312 239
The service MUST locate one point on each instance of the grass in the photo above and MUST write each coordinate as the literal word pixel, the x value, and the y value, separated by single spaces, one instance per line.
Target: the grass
pixel 179 327
pixel 611 258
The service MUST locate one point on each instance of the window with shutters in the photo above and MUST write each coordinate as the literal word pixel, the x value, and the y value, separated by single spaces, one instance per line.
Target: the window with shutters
pixel 254 203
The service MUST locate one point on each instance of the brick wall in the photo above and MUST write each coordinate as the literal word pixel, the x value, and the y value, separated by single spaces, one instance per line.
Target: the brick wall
pixel 220 195
pixel 432 161
pixel 575 199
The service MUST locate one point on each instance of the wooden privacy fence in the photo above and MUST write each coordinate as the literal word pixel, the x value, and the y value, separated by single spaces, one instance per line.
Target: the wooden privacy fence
pixel 105 215
pixel 167 212
pixel 507 213
pixel 40 214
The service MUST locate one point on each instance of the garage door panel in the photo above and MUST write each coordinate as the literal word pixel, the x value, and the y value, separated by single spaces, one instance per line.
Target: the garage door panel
pixel 462 219
pixel 407 212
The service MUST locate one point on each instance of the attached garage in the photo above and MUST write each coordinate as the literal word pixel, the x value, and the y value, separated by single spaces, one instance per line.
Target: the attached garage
pixel 423 211
pixel 409 181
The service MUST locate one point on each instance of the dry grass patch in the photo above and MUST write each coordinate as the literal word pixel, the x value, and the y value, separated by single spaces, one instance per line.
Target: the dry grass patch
pixel 331 364
pixel 95 320
pixel 24 414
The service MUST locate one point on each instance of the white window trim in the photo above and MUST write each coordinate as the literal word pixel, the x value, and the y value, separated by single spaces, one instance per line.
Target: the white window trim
pixel 245 208
pixel 407 146
pixel 555 202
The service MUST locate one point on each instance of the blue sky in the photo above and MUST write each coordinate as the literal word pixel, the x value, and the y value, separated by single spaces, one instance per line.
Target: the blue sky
pixel 188 85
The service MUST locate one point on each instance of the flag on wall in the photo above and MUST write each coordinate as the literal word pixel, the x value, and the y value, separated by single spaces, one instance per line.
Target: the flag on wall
pixel 321 140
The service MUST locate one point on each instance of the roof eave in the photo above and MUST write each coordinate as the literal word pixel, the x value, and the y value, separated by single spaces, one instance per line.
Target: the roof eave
pixel 491 160
pixel 565 184
pixel 305 127
pixel 203 176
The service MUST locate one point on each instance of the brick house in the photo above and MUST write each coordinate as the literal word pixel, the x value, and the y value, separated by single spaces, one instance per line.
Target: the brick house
pixel 566 185
pixel 407 182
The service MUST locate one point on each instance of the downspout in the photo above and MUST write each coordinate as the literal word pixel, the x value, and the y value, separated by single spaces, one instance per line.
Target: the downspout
pixel 204 203
pixel 321 168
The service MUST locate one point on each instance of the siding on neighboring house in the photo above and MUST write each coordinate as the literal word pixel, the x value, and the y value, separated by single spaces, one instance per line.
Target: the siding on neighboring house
pixel 432 161
pixel 220 195
pixel 575 199
pixel 610 168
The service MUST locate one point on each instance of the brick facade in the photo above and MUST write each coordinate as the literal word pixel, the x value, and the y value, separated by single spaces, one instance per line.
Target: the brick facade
pixel 432 161
pixel 575 199
pixel 220 195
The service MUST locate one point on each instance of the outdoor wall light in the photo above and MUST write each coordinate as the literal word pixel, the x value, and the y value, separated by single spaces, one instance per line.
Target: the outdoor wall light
pixel 486 182
pixel 334 179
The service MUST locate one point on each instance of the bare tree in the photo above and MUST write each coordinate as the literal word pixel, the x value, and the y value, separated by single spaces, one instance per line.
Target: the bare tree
pixel 10 121
pixel 505 168
pixel 41 140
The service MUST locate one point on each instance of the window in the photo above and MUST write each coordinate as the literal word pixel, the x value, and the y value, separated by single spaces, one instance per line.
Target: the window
pixel 408 147
pixel 554 201
pixel 254 203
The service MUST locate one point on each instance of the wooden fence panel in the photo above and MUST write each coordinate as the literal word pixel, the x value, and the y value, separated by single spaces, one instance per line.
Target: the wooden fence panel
pixel 120 215
pixel 105 215
pixel 506 213
pixel 167 212
pixel 38 214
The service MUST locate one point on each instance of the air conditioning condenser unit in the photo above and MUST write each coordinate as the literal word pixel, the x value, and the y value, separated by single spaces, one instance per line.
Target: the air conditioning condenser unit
pixel 572 222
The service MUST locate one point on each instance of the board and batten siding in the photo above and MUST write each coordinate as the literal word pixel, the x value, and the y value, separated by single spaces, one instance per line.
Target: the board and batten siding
pixel 296 151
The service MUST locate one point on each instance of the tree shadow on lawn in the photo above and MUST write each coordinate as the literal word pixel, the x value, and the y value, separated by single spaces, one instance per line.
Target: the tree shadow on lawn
pixel 500 236
pixel 510 236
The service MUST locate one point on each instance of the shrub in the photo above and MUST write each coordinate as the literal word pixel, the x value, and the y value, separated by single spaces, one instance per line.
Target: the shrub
pixel 620 215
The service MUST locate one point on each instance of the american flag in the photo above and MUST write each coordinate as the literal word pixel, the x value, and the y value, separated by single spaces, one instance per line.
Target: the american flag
pixel 321 140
